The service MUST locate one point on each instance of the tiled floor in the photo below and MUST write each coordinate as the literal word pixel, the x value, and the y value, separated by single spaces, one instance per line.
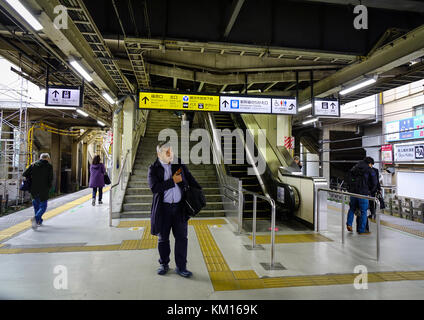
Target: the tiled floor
pixel 127 269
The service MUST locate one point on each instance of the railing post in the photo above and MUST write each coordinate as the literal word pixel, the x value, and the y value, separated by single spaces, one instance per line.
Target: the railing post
pixel 240 207
pixel 272 233
pixel 422 212
pixel 378 211
pixel 254 222
pixel 110 207
pixel 343 217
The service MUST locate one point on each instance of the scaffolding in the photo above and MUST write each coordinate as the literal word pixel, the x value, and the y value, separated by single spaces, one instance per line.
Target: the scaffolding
pixel 14 125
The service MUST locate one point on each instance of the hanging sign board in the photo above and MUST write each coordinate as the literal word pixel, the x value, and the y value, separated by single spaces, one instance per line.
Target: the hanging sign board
pixel 245 104
pixel 284 106
pixel 215 103
pixel 174 101
pixel 326 107
pixel 60 96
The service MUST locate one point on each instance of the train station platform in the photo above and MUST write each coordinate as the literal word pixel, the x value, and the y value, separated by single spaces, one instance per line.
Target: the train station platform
pixel 76 255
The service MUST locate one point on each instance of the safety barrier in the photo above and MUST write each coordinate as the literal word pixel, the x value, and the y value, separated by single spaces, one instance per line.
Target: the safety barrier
pixel 378 212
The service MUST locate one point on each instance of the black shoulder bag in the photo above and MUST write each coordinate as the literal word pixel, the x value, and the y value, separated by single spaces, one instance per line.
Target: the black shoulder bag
pixel 194 200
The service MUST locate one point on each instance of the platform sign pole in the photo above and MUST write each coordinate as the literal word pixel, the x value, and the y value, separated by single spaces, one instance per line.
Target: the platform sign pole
pixel 343 217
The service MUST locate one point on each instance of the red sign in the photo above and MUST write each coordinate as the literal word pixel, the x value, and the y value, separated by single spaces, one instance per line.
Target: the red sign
pixel 289 142
pixel 387 154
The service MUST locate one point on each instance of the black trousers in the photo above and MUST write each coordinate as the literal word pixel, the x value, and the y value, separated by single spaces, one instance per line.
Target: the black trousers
pixel 173 218
pixel 100 193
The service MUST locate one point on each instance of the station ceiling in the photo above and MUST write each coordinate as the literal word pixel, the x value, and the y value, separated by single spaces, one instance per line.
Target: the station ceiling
pixel 267 47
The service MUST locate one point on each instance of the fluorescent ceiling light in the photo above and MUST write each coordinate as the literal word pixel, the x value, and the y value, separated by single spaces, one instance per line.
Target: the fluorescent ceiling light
pixel 24 13
pixel 81 70
pixel 305 107
pixel 57 108
pixel 82 113
pixel 310 121
pixel 358 86
pixel 108 98
pixel 101 123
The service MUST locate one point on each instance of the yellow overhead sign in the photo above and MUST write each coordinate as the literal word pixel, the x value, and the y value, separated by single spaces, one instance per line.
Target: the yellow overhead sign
pixel 174 101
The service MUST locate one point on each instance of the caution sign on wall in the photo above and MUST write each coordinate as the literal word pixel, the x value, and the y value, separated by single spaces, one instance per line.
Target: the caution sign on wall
pixel 173 101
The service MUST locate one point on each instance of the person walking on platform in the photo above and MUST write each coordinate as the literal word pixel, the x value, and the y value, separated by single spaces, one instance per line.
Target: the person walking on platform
pixel 97 179
pixel 40 173
pixel 166 179
pixel 362 180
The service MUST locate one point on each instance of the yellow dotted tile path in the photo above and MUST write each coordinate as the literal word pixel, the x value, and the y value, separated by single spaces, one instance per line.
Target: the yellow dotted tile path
pixel 292 238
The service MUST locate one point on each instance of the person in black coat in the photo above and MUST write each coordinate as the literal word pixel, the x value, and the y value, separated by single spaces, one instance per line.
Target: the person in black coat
pixel 166 179
pixel 41 175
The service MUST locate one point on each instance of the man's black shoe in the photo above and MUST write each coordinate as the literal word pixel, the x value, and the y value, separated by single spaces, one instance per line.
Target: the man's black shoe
pixel 163 269
pixel 184 273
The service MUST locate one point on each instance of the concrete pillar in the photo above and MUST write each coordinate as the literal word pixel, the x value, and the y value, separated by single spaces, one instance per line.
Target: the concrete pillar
pixel 84 173
pixel 116 146
pixel 128 129
pixel 74 166
pixel 325 156
pixel 56 161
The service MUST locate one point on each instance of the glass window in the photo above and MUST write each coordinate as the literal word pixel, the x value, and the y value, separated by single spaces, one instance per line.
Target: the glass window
pixel 419 110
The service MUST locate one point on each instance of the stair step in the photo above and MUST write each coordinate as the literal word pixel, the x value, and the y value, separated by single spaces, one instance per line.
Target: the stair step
pixel 147 198
pixel 145 214
pixel 147 206
pixel 146 190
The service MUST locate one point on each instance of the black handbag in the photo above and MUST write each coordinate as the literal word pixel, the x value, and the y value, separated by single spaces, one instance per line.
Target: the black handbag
pixel 25 185
pixel 107 179
pixel 194 200
pixel 381 200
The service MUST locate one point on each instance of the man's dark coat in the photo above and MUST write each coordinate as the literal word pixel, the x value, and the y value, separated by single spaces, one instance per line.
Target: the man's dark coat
pixel 158 185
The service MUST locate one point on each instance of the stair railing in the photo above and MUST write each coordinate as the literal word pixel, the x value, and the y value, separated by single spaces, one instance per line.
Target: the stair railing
pixel 123 168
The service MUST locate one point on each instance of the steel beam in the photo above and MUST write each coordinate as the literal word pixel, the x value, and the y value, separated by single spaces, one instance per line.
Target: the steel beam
pixel 392 55
pixel 237 4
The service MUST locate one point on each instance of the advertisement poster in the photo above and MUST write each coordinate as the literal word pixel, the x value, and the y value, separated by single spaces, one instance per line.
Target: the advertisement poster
pixel 387 154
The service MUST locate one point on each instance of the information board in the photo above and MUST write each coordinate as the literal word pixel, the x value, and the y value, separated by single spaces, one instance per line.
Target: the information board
pixel 405 129
pixel 284 106
pixel 409 152
pixel 60 96
pixel 245 104
pixel 214 102
pixel 174 101
pixel 326 107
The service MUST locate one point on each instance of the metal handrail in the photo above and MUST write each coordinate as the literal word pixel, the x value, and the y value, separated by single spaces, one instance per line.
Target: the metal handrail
pixel 209 124
pixel 360 196
pixel 114 185
pixel 272 203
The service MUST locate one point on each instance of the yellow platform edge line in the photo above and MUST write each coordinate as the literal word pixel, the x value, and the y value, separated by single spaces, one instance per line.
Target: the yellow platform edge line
pixel 10 232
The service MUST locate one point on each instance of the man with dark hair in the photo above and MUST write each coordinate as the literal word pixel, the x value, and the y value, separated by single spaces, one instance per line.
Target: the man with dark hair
pixel 41 175
pixel 166 180
pixel 362 180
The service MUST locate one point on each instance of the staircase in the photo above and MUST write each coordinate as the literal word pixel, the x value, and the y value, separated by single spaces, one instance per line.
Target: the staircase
pixel 138 196
pixel 239 171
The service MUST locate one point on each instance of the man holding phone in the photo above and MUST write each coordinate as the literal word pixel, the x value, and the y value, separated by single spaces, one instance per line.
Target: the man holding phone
pixel 166 180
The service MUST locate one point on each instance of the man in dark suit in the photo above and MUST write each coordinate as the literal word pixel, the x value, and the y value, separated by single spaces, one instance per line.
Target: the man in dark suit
pixel 166 180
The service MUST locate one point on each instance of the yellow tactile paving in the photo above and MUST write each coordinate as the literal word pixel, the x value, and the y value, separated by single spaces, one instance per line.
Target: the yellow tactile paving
pixel 292 238
pixel 12 231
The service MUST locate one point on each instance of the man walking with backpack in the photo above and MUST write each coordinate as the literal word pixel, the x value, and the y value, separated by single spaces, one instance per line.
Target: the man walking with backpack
pixel 41 175
pixel 362 180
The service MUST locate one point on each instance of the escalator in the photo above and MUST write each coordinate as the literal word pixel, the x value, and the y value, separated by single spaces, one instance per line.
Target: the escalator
pixel 240 171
